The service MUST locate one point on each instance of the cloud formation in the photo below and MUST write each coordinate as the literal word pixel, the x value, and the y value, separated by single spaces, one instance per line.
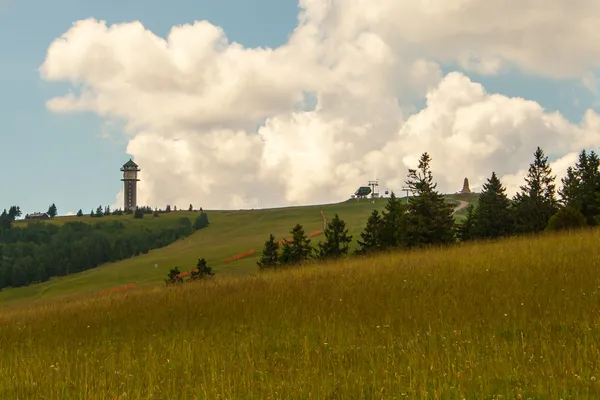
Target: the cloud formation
pixel 223 126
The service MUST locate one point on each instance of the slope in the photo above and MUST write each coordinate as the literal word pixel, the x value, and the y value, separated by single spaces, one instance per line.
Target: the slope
pixel 229 233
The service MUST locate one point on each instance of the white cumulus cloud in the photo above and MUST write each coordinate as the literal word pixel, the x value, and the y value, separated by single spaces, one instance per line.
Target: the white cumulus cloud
pixel 219 125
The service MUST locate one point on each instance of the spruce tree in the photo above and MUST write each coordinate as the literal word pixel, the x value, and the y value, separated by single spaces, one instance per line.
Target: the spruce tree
pixel 465 230
pixel 393 229
pixel 536 202
pixel 298 250
pixel 202 270
pixel 493 216
pixel 337 239
pixel 80 213
pixel 581 186
pixel 429 218
pixel 371 236
pixel 270 254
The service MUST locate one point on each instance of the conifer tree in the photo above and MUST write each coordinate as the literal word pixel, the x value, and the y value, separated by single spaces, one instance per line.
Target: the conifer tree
pixel 138 214
pixel 270 254
pixel 191 208
pixel 371 236
pixel 581 186
pixel 493 216
pixel 202 270
pixel 80 213
pixel 393 229
pixel 429 218
pixel 337 239
pixel 14 212
pixel 298 250
pixel 536 202
pixel 465 230
pixel 52 212
pixel 5 221
pixel 567 218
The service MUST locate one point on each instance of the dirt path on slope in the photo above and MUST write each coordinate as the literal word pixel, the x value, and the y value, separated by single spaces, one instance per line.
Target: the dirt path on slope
pixel 461 206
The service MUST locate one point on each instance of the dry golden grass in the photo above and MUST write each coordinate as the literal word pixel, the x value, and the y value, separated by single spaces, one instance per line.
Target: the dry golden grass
pixel 513 319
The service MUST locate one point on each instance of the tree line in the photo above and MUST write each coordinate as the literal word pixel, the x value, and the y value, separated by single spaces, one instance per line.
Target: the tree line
pixel 427 219
pixel 39 251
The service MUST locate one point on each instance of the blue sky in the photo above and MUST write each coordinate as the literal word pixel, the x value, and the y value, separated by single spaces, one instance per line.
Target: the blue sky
pixel 47 158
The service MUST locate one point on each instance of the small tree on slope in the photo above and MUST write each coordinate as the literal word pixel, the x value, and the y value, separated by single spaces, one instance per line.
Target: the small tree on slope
pixel 270 254
pixel 337 239
pixel 298 250
pixel 536 202
pixel 493 216
pixel 52 212
pixel 371 236
pixel 393 223
pixel 429 218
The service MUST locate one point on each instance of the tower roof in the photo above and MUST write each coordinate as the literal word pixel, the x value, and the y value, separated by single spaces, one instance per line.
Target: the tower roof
pixel 130 164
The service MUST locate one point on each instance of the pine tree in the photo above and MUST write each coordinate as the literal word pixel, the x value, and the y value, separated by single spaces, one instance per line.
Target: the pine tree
pixel 493 216
pixel 99 212
pixel 191 208
pixel 201 221
pixel 393 228
pixel 581 187
pixel 14 212
pixel 465 230
pixel 337 239
pixel 92 213
pixel 138 214
pixel 80 213
pixel 52 212
pixel 298 250
pixel 168 209
pixel 173 276
pixel 202 270
pixel 371 236
pixel 536 202
pixel 429 218
pixel 270 254
pixel 5 221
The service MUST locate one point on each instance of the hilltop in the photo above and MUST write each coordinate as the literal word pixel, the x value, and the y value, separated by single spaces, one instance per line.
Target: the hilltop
pixel 231 232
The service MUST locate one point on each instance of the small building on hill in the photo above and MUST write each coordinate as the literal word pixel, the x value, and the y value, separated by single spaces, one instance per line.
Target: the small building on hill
pixel 37 216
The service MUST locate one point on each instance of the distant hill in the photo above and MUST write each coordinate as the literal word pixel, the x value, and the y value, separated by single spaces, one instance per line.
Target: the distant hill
pixel 230 232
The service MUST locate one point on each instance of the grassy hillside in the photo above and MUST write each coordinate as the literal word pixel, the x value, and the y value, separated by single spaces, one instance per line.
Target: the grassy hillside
pixel 230 233
pixel 513 319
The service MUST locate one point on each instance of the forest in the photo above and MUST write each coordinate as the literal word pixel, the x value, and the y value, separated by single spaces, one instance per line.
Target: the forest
pixel 39 251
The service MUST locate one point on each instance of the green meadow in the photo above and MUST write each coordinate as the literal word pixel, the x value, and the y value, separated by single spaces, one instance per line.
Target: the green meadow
pixel 512 319
pixel 230 233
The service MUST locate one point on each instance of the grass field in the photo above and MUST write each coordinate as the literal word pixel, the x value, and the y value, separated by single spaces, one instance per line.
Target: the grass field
pixel 516 319
pixel 230 233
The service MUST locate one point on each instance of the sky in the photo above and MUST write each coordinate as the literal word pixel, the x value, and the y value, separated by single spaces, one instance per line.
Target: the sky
pixel 236 104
